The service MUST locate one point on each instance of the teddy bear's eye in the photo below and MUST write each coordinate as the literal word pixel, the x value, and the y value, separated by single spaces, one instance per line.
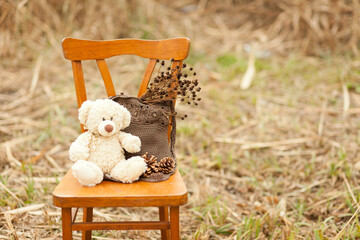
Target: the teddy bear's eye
pixel 111 118
pixel 103 119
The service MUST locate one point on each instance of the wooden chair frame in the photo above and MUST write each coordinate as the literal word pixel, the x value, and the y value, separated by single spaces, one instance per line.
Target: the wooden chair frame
pixel 169 194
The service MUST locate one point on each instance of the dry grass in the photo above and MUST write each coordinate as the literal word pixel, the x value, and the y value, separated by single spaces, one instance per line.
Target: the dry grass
pixel 276 161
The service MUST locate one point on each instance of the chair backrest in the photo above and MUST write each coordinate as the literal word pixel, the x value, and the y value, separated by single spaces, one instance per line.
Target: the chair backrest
pixel 77 50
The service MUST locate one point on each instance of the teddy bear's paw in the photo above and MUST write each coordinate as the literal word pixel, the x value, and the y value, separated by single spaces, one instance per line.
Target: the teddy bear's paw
pixel 87 173
pixel 132 144
pixel 130 170
pixel 78 151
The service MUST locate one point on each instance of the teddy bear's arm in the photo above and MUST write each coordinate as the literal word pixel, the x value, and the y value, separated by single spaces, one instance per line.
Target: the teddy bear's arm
pixel 80 148
pixel 129 142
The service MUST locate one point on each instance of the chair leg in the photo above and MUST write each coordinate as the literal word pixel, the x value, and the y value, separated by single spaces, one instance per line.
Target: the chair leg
pixel 66 223
pixel 164 216
pixel 87 217
pixel 174 223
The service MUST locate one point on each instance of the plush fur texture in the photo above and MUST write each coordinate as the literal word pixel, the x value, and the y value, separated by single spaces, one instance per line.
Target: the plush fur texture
pixel 100 150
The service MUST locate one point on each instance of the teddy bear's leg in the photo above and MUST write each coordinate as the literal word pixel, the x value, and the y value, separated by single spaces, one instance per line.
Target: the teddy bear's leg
pixel 129 170
pixel 87 173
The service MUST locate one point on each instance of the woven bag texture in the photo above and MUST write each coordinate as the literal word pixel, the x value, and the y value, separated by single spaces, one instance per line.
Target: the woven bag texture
pixel 150 123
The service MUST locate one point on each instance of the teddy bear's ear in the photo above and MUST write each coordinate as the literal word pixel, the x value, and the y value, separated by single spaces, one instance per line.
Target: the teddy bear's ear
pixel 84 111
pixel 126 117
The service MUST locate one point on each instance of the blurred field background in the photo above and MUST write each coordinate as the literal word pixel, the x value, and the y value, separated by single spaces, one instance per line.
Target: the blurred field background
pixel 277 160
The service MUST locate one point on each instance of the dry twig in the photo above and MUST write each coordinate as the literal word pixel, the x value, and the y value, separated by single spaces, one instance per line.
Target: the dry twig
pixel 11 193
pixel 25 209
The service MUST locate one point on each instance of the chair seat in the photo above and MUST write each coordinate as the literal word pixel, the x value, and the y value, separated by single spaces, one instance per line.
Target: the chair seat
pixel 69 193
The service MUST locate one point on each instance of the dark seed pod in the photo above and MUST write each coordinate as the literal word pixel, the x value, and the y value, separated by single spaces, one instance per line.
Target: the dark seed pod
pixel 172 84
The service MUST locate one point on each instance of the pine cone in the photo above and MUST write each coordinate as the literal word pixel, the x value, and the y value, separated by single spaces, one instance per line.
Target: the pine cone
pixel 147 173
pixel 152 164
pixel 166 165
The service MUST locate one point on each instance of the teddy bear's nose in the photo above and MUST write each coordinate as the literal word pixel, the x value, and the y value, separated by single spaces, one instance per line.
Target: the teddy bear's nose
pixel 109 128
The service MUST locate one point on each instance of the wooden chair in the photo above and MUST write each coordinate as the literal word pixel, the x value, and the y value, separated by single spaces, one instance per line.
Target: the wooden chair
pixel 172 193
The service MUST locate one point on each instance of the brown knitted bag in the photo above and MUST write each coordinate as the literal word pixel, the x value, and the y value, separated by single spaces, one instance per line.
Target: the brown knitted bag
pixel 150 121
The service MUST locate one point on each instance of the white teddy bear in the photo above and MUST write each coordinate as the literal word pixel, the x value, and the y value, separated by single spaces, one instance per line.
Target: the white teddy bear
pixel 100 150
